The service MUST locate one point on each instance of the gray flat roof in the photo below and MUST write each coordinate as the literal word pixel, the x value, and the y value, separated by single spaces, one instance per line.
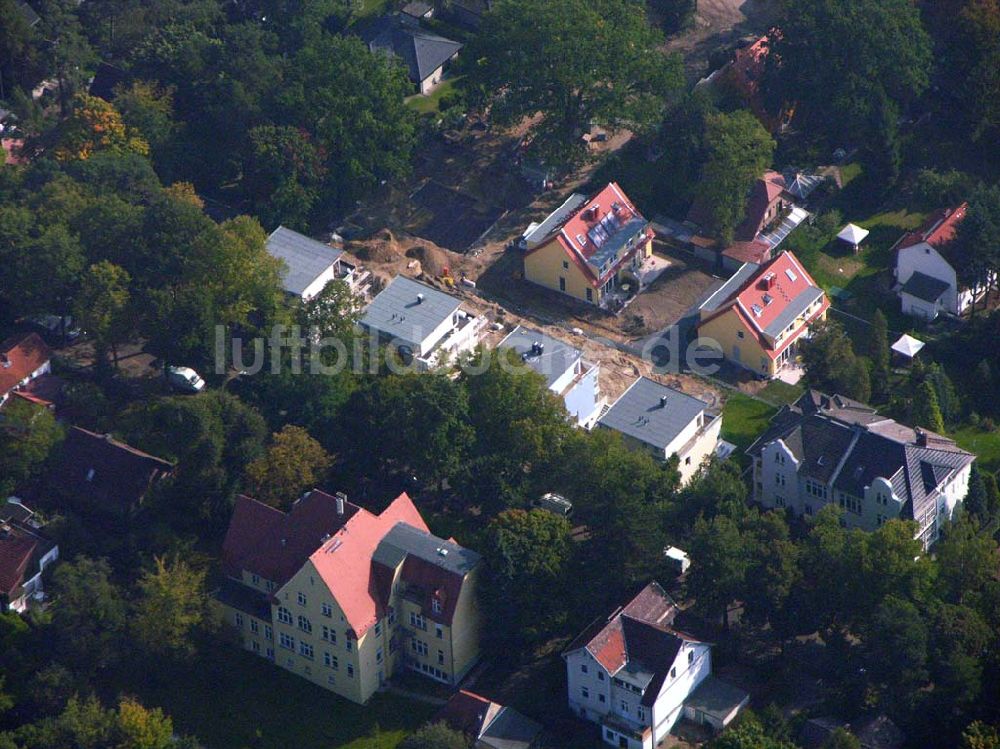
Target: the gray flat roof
pixel 404 539
pixel 716 698
pixel 305 259
pixel 729 287
pixel 639 413
pixel 396 311
pixel 792 310
pixel 556 356
pixel 558 217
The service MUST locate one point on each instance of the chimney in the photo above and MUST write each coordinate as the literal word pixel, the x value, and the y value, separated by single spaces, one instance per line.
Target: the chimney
pixel 921 438
pixel 420 298
pixel 341 498
pixel 4 360
pixel 663 401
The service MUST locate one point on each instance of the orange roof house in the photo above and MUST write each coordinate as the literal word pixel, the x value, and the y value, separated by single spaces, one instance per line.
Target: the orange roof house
pixel 588 246
pixel 762 313
pixel 345 597
pixel 22 359
pixel 937 230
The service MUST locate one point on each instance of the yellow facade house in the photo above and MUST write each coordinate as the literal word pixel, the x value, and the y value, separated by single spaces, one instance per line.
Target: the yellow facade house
pixel 587 248
pixel 759 317
pixel 346 598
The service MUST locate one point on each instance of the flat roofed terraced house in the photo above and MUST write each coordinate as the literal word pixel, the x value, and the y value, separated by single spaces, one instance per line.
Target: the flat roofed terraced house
pixel 310 265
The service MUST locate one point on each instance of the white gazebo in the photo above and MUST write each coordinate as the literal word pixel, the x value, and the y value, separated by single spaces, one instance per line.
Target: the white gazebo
pixel 852 234
pixel 907 347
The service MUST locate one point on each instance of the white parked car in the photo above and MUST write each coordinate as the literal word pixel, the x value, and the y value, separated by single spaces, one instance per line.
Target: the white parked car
pixel 185 378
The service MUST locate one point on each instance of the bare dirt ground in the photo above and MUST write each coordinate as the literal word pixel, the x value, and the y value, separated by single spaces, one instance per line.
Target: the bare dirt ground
pixel 718 23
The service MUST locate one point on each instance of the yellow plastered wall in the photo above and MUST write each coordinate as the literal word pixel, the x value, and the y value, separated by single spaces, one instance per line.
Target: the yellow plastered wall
pixel 544 266
pixel 466 626
pixel 724 329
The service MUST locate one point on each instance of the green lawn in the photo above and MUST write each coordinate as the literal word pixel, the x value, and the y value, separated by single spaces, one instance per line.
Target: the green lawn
pixel 777 391
pixel 369 8
pixel 986 446
pixel 744 419
pixel 231 699
pixel 429 104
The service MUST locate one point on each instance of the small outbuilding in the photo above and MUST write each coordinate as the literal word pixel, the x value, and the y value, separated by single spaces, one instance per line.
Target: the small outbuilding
pixel 906 348
pixel 854 235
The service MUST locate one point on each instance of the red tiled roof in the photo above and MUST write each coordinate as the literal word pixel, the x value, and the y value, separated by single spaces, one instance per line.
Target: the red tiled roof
pixel 599 208
pixel 19 357
pixel 763 195
pixel 16 550
pixel 748 66
pixel 749 299
pixel 468 713
pixel 938 229
pixel 345 561
pixel 749 252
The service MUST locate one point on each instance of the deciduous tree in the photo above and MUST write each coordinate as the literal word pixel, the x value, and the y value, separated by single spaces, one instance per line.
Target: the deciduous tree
pixel 171 604
pixel 294 463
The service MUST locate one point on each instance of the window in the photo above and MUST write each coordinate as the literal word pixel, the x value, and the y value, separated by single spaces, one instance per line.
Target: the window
pixel 779 479
pixel 254 626
pixel 392 617
pixel 269 586
pixel 583 668
pixel 849 503
pixel 331 679
pixel 331 661
pixel 440 657
pixel 378 655
pixel 350 671
pixel 690 656
pixel 284 615
pixel 378 629
pixel 590 294
pixel 600 676
pixel 880 520
pixel 566 264
pixel 325 634
pixel 609 734
pixel 270 653
pixel 436 606
pixel 348 646
pixel 239 619
pixel 624 707
pixel 585 692
pixel 673 673
pixel 302 599
pixel 779 501
pixel 306 649
pixel 255 579
pixel 286 641
pixel 304 624
pixel 439 631
pixel 417 621
pixel 740 334
pixel 562 284
pixel 808 510
pixel 419 647
pixel 268 634
pixel 326 609
pixel 255 646
pixel 640 713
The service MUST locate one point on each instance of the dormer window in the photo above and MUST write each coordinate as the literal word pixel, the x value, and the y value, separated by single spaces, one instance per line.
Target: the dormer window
pixel 90 474
pixel 436 606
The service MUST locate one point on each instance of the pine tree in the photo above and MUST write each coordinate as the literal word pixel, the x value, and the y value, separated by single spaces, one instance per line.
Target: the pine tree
pixel 926 411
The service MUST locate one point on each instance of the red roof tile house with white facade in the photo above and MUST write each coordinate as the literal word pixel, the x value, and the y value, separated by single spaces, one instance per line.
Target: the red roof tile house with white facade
pixel 23 358
pixel 588 247
pixel 347 598
pixel 759 317
pixel 635 675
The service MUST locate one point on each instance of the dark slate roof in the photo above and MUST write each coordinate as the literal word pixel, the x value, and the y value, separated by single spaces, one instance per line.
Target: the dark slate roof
pixel 555 358
pixel 243 598
pixel 729 287
pixel 849 443
pixel 103 473
pixel 510 730
pixel 305 259
pixel 30 16
pixel 639 412
pixel 405 540
pixel 421 51
pixel 105 79
pixel 397 312
pixel 924 287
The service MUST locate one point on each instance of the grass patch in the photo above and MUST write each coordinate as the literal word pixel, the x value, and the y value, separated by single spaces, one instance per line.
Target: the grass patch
pixel 777 391
pixel 228 698
pixel 431 103
pixel 744 419
pixel 986 446
pixel 370 8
